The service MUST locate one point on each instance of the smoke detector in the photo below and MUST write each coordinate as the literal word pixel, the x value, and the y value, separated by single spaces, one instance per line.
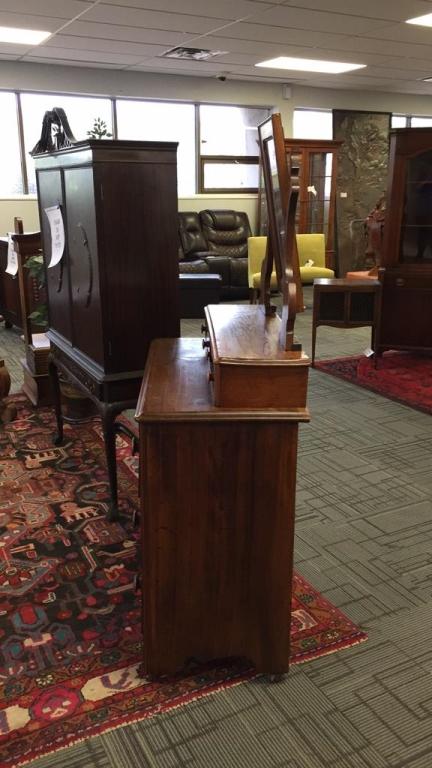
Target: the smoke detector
pixel 194 54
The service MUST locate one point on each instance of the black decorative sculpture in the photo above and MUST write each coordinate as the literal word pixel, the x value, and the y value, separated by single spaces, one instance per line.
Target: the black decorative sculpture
pixel 56 132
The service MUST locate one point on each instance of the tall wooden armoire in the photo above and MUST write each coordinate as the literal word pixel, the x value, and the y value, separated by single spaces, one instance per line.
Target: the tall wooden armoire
pixel 405 313
pixel 116 286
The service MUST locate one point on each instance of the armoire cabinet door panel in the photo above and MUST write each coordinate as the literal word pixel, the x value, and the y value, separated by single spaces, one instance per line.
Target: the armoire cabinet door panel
pixel 138 237
pixel 83 258
pixel 50 191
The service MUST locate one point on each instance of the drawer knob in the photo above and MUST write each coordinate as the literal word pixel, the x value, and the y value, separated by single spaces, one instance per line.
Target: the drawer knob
pixel 400 282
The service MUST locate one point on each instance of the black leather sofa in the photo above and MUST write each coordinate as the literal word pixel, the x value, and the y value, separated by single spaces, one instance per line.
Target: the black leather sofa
pixel 215 241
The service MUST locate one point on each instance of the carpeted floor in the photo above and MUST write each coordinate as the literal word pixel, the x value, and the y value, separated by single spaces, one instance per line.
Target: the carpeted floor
pixel 363 538
pixel 401 376
pixel 70 606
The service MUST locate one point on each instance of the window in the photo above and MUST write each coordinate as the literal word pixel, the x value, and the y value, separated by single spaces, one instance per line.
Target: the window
pixel 313 124
pixel 421 122
pixel 399 121
pixel 217 174
pixel 229 148
pixel 80 111
pixel 163 121
pixel 10 162
pixel 410 121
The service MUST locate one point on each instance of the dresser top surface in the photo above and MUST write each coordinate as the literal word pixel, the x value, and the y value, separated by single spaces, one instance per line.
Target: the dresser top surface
pixel 256 337
pixel 176 387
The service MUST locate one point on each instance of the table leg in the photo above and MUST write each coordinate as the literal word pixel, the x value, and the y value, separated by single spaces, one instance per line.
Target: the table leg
pixel 55 388
pixel 109 432
pixel 313 341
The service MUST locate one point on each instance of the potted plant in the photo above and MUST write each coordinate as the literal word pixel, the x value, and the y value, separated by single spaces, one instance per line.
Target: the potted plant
pixel 99 130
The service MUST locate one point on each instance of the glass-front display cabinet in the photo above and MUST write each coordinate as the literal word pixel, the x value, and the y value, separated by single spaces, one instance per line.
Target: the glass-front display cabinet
pixel 405 318
pixel 314 171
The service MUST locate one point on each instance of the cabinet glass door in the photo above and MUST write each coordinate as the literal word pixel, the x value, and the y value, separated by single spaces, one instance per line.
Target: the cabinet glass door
pixel 318 192
pixel 416 228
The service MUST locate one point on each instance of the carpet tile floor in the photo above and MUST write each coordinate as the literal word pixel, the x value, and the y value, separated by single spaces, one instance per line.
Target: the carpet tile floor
pixel 363 538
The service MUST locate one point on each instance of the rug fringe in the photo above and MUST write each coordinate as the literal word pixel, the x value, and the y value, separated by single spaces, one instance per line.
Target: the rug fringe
pixel 89 734
pixel 329 650
pixel 139 717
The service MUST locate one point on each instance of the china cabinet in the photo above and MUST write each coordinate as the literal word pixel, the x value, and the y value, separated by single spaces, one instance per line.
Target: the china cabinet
pixel 314 171
pixel 405 313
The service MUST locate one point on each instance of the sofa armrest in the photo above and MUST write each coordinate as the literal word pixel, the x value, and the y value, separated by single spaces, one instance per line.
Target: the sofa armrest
pixel 220 265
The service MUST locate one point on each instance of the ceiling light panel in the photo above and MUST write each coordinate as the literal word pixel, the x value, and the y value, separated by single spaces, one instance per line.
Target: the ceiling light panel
pixel 22 36
pixel 422 21
pixel 309 65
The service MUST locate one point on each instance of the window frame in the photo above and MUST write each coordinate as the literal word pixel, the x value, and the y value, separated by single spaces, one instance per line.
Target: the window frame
pixel 226 160
pixel 198 175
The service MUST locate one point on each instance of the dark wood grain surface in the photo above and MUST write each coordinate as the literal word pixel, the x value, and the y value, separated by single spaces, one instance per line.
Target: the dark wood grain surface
pixel 217 492
pixel 250 367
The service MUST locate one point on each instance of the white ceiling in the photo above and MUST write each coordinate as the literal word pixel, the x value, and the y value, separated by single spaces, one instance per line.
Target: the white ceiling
pixel 133 35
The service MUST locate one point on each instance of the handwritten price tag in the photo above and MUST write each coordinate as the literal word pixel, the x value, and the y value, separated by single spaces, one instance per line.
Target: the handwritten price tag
pixel 55 219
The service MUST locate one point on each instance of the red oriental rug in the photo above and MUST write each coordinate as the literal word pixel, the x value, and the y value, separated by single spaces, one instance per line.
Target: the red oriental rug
pixel 70 637
pixel 400 376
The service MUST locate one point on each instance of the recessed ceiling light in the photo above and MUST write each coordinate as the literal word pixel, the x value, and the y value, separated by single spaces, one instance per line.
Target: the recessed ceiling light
pixel 22 36
pixel 309 65
pixel 422 21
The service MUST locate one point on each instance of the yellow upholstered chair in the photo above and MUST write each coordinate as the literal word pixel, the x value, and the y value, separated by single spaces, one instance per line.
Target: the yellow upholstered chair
pixel 311 247
pixel 256 252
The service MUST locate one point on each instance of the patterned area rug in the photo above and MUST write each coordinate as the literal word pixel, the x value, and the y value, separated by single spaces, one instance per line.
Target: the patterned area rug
pixel 400 376
pixel 70 639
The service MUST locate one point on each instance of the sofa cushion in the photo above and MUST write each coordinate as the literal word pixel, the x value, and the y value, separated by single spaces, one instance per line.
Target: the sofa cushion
pixel 198 266
pixel 309 274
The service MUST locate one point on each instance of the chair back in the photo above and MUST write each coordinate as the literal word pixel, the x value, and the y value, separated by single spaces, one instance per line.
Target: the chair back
pixel 226 232
pixel 256 251
pixel 192 240
pixel 311 246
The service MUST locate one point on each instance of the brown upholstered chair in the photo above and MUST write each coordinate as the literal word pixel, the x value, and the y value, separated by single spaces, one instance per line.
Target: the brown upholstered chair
pixel 226 233
pixel 215 241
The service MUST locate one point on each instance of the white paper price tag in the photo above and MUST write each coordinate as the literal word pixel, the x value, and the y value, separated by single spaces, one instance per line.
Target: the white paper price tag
pixel 55 219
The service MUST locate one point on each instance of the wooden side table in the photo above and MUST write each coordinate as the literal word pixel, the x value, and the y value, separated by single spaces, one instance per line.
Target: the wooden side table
pixel 343 303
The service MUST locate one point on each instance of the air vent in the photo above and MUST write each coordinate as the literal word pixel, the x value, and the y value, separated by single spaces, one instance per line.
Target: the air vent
pixel 196 54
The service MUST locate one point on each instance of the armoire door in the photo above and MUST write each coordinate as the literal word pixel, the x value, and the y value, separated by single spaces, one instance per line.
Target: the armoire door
pixel 58 287
pixel 83 263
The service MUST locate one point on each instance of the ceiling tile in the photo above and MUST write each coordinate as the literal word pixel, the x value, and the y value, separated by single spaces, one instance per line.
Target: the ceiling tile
pixel 284 16
pixel 387 47
pixel 13 49
pixel 67 43
pixel 223 9
pixel 112 14
pixel 63 9
pixel 388 10
pixel 409 64
pixel 262 50
pixel 78 63
pixel 73 55
pixel 126 34
pixel 280 35
pixel 405 33
pixel 47 23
